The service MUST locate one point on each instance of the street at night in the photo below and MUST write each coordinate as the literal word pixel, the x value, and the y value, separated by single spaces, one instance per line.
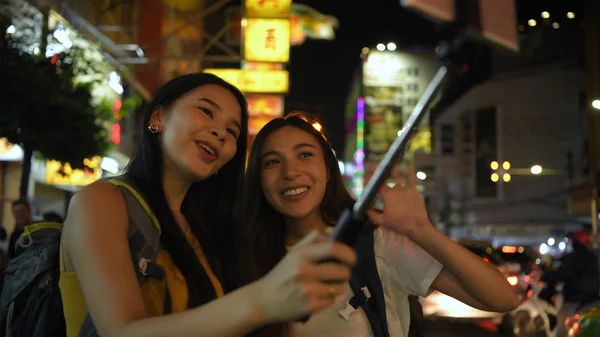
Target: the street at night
pixel 438 328
pixel 300 168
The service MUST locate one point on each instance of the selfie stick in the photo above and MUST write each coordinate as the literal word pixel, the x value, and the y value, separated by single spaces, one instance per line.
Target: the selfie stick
pixel 353 219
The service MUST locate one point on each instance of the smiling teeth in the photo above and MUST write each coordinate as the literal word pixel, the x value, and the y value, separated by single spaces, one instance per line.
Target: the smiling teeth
pixel 208 149
pixel 295 191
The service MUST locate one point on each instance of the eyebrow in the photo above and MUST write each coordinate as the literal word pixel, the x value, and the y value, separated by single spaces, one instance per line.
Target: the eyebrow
pixel 211 102
pixel 218 107
pixel 296 147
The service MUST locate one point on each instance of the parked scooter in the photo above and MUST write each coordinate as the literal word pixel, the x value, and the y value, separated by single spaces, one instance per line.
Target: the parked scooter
pixel 535 317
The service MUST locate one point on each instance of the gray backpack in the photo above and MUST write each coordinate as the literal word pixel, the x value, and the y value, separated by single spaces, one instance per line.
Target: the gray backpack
pixel 31 304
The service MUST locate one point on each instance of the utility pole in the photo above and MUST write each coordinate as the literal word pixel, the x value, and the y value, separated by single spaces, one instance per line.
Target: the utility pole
pixel 592 53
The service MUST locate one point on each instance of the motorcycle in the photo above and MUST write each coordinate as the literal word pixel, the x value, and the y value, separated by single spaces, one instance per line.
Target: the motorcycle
pixel 535 317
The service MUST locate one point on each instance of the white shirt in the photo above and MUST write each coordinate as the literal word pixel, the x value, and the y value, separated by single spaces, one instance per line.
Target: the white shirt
pixel 404 269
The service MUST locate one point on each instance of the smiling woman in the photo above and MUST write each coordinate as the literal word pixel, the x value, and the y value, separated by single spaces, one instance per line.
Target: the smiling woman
pixel 294 186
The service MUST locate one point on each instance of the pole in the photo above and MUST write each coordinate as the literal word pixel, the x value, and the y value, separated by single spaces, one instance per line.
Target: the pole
pixel 592 45
pixel 352 220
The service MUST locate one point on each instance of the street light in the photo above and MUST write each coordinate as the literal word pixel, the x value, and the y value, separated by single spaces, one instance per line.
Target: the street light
pixel 596 104
pixel 380 47
pixel 391 46
pixel 545 14
pixel 495 166
pixel 536 169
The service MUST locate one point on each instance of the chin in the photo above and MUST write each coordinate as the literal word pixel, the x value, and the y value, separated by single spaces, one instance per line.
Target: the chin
pixel 296 214
pixel 201 175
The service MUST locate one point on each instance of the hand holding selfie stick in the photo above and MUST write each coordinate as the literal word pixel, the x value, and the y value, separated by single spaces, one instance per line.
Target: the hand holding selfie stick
pixel 353 219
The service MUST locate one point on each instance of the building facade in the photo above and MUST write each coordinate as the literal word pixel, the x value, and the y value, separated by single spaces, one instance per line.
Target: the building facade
pixel 508 150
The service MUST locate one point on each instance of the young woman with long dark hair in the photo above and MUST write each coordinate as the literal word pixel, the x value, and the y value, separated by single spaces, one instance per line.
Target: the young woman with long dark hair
pixel 189 168
pixel 294 186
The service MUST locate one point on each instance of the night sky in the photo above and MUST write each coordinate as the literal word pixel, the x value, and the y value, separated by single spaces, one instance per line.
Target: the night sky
pixel 321 71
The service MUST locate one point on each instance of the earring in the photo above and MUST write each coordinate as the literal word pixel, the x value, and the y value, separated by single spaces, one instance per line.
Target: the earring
pixel 154 128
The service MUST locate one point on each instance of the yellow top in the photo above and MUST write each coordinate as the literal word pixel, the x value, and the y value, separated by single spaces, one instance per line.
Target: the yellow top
pixel 75 309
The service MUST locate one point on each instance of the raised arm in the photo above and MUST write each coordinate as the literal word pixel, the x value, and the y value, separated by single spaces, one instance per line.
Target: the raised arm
pixel 96 248
pixel 465 276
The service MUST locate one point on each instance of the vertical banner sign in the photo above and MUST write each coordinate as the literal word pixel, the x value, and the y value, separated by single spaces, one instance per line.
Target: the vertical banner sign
pixel 267 40
pixel 266 34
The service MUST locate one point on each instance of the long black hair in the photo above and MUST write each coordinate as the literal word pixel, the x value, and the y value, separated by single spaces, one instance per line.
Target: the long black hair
pixel 207 203
pixel 264 226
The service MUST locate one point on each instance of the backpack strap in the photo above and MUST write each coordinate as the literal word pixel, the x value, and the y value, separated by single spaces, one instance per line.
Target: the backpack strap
pixel 144 244
pixel 366 285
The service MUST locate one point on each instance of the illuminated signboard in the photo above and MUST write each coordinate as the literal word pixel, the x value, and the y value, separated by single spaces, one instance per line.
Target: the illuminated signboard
pixel 268 8
pixel 71 177
pixel 255 123
pixel 267 40
pixel 265 105
pixel 261 66
pixel 255 81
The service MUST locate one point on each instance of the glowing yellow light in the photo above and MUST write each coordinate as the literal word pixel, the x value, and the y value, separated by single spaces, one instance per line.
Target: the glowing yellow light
pixel 494 165
pixel 268 8
pixel 545 14
pixel 506 177
pixel 495 177
pixel 255 81
pixel 506 165
pixel 5 146
pixel 62 174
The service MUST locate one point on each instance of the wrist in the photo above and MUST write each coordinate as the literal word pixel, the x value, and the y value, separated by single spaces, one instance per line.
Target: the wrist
pixel 254 309
pixel 421 231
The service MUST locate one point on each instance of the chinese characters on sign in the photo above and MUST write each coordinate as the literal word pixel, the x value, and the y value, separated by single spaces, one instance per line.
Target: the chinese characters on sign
pixel 255 123
pixel 265 105
pixel 255 81
pixel 267 40
pixel 268 8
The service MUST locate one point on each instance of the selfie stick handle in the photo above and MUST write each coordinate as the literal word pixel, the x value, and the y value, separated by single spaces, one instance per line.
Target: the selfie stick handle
pixel 352 220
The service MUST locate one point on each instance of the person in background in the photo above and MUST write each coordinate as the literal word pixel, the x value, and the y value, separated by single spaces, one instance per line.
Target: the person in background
pixel 21 211
pixel 580 275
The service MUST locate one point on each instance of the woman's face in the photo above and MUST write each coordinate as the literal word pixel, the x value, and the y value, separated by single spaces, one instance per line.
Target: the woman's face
pixel 199 132
pixel 293 172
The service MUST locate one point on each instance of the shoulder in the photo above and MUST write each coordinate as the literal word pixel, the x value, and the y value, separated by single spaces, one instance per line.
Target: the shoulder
pixel 392 246
pixel 98 204
pixel 97 196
